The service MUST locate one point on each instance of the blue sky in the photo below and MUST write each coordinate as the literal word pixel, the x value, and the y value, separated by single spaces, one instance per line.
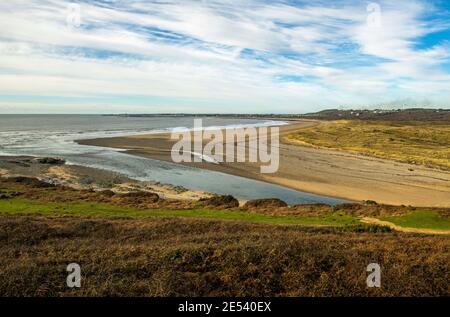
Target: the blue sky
pixel 219 56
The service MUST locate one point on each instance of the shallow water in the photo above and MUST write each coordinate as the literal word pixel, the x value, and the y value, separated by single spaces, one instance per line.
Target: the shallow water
pixel 54 135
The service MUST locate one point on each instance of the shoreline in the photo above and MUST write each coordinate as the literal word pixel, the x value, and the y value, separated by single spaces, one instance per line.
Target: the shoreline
pixel 318 171
pixel 89 178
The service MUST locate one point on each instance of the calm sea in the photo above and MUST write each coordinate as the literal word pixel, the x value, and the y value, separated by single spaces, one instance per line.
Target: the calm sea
pixel 54 135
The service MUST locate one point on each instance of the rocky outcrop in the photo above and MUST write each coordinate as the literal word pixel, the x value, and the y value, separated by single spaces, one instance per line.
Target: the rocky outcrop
pixel 33 182
pixel 51 160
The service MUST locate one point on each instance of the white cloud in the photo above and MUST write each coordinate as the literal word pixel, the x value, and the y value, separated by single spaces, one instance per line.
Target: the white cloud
pixel 221 50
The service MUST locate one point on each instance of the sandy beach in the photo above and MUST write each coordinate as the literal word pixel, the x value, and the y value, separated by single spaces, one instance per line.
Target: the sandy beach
pixel 315 170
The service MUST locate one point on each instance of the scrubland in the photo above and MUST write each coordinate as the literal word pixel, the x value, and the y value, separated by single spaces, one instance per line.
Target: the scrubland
pixel 136 245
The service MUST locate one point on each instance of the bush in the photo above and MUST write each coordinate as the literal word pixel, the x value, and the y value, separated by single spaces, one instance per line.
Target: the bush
pixel 265 203
pixel 225 202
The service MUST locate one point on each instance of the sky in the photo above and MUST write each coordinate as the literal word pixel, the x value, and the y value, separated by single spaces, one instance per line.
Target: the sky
pixel 222 56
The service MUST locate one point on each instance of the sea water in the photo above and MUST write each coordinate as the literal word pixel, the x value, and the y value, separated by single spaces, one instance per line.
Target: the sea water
pixel 55 135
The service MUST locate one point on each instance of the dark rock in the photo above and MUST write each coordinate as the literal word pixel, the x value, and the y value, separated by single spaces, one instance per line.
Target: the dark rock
pixel 51 161
pixel 33 182
pixel 265 203
pixel 224 202
pixel 22 163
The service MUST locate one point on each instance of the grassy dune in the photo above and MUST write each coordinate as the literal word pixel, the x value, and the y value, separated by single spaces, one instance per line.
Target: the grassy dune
pixel 423 143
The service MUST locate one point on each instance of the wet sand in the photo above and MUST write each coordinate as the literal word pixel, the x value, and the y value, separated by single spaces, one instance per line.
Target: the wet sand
pixel 319 171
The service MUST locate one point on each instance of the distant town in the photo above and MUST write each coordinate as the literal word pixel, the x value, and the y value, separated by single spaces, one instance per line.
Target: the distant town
pixel 329 114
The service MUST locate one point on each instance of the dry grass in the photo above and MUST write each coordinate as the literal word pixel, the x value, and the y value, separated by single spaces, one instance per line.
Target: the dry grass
pixel 178 256
pixel 188 257
pixel 414 142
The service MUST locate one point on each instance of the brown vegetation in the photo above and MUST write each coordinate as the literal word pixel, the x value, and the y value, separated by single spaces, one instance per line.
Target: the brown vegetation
pixel 182 257
pixel 222 202
pixel 31 188
pixel 35 189
pixel 166 256
pixel 268 203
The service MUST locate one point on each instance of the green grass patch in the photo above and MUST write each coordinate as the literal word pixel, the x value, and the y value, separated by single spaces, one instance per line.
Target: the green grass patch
pixel 19 206
pixel 422 219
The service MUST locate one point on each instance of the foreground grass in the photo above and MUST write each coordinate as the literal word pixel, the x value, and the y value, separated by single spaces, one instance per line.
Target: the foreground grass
pixel 20 206
pixel 420 219
pixel 162 256
pixel 417 142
